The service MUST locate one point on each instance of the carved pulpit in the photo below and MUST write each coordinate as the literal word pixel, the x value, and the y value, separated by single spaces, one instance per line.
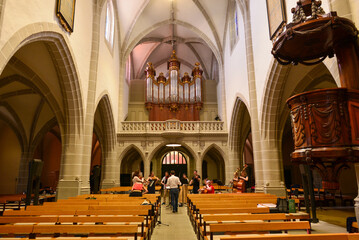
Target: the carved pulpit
pixel 325 123
pixel 174 97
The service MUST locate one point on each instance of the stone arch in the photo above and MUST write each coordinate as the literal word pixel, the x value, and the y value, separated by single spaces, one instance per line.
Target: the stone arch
pixel 162 149
pixel 273 96
pixel 218 157
pixel 63 58
pixel 215 146
pixel 158 148
pixel 127 149
pixel 127 161
pixel 106 133
pixel 238 133
pixel 105 107
pixel 237 117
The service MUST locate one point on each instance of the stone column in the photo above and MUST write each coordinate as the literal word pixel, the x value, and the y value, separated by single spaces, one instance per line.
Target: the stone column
pixel 198 167
pixel 111 170
pixel 147 167
pixel 23 171
pixel 253 109
pixel 272 169
pixel 71 167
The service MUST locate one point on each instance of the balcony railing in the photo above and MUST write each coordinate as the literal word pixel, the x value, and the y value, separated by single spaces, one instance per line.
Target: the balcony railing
pixel 172 126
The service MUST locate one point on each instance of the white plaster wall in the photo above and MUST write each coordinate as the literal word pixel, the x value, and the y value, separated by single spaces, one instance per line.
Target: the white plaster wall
pixel 354 6
pixel 262 44
pixel 235 71
pixel 20 13
pixel 108 68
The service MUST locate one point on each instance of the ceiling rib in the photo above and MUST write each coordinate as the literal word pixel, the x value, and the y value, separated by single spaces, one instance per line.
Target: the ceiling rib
pixel 199 59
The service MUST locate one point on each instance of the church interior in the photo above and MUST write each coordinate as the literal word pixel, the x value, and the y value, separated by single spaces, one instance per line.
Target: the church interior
pixel 257 100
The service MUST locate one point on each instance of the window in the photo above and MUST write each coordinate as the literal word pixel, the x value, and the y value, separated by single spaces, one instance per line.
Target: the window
pixel 236 22
pixel 234 25
pixel 174 157
pixel 110 22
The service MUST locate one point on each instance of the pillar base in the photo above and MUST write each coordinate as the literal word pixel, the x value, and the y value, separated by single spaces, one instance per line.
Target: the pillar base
pixel 68 188
pixel 259 189
pixel 109 183
pixel 85 187
pixel 279 191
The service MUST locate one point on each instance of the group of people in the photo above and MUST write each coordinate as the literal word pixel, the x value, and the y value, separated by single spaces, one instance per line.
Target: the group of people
pixel 173 188
pixel 144 185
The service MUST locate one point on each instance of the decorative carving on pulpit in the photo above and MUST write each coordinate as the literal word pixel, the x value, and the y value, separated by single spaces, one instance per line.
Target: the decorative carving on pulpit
pixel 305 9
pixel 174 97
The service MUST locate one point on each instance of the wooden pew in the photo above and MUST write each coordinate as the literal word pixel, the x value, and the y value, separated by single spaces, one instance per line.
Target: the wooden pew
pixel 197 219
pixel 331 236
pixel 28 219
pixel 5 199
pixel 119 220
pixel 236 218
pixel 59 230
pixel 139 212
pixel 256 227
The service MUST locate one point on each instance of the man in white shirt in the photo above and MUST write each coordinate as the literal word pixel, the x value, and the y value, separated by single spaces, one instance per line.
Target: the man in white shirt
pixel 173 182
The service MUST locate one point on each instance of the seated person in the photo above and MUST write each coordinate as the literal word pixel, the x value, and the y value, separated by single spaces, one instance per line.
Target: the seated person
pixel 137 181
pixel 208 188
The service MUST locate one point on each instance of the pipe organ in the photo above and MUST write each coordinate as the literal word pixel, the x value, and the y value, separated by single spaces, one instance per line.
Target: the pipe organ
pixel 173 97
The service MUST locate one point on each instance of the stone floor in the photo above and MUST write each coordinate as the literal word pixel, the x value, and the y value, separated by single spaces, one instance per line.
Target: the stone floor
pixel 175 226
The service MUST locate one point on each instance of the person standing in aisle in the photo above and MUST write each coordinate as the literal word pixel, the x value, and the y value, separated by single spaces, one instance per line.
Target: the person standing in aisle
pixel 173 182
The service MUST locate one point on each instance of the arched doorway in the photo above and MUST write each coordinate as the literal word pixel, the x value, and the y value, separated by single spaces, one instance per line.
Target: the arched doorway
pixel 174 160
pixel 163 153
pixel 131 162
pixel 103 152
pixel 241 142
pixel 96 164
pixel 213 166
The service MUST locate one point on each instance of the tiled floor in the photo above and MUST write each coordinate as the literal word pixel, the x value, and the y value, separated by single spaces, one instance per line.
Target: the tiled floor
pixel 179 226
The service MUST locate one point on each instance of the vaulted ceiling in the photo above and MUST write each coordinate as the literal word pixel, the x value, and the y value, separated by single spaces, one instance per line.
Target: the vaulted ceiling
pixel 150 29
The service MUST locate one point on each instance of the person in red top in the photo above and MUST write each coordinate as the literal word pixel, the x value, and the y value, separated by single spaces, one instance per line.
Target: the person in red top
pixel 209 187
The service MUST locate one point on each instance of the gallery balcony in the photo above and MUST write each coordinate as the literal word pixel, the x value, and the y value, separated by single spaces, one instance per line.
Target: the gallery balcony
pixel 172 127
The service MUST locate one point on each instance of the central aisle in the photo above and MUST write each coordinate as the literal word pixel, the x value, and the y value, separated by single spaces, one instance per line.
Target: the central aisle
pixel 179 226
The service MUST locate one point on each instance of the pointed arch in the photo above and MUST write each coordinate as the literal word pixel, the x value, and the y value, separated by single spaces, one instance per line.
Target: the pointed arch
pixel 108 122
pixel 160 146
pixel 62 55
pixel 217 148
pixel 127 150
